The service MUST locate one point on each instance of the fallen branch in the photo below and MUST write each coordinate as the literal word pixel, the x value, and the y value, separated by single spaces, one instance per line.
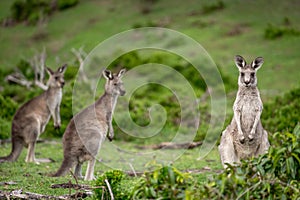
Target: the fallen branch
pixel 18 194
pixel 68 185
pixel 171 145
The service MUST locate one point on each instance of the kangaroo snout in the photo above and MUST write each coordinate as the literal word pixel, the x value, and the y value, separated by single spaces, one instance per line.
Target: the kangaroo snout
pixel 247 83
pixel 62 84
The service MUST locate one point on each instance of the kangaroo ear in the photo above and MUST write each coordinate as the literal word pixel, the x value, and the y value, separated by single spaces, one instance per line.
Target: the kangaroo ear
pixel 240 61
pixel 62 69
pixel 108 75
pixel 50 72
pixel 257 63
pixel 121 73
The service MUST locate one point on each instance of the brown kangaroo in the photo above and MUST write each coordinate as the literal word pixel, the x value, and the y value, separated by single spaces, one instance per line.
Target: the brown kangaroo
pixel 31 119
pixel 86 131
pixel 245 136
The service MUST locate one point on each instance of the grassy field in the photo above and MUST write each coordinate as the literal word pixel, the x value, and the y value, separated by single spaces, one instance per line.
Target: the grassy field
pixel 237 28
pixel 35 178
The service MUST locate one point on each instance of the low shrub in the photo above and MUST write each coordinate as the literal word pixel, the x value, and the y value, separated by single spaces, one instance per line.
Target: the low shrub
pixel 273 31
pixel 283 112
pixel 65 4
pixel 34 11
pixel 209 8
pixel 115 179
pixel 163 183
pixel 8 109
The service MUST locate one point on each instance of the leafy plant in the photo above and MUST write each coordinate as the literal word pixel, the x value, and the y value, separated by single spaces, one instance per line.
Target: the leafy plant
pixel 209 8
pixel 30 10
pixel 273 31
pixel 114 178
pixel 163 183
pixel 65 4
pixel 33 11
pixel 8 109
pixel 283 112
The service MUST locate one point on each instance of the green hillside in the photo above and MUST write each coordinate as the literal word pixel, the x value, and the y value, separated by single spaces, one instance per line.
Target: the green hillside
pixel 238 28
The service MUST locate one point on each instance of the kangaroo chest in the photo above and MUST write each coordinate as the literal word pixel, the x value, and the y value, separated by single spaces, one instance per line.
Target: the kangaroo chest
pixel 248 105
pixel 54 99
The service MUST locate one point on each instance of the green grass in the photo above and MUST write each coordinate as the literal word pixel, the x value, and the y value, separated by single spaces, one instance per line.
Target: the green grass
pixel 34 178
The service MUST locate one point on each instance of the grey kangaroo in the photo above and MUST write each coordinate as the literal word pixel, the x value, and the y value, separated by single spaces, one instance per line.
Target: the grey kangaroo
pixel 245 136
pixel 31 119
pixel 87 130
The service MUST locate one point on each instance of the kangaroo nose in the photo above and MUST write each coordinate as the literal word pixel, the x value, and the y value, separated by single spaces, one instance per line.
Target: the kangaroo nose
pixel 62 84
pixel 247 82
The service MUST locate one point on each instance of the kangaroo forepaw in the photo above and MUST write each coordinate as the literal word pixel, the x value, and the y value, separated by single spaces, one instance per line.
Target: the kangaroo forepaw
pixel 110 138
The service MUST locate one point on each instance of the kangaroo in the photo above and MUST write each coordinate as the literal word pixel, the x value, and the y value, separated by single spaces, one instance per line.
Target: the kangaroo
pixel 245 136
pixel 87 129
pixel 31 119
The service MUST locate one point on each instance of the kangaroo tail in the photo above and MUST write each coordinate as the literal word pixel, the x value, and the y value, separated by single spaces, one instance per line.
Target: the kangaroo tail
pixel 17 147
pixel 65 167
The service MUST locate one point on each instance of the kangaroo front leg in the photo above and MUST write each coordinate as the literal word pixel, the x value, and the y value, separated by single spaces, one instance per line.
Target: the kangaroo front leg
pixel 89 175
pixel 256 120
pixel 237 118
pixel 110 127
pixel 56 117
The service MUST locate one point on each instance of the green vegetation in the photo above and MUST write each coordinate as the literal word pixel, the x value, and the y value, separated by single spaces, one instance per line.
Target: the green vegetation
pixel 215 6
pixel 273 31
pixel 282 113
pixel 274 175
pixel 8 108
pixel 34 11
pixel 115 178
pixel 164 182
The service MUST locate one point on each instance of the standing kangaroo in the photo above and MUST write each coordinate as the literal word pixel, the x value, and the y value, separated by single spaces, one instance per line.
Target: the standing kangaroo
pixel 31 119
pixel 87 130
pixel 245 136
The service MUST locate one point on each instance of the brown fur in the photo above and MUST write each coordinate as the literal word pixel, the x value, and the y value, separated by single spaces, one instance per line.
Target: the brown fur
pixel 245 136
pixel 87 130
pixel 31 119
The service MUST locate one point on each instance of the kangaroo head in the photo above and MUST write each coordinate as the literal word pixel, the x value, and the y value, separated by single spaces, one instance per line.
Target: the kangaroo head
pixel 56 78
pixel 114 84
pixel 247 75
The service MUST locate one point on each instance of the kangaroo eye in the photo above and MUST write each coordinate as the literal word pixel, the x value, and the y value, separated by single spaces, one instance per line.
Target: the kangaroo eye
pixel 56 78
pixel 252 74
pixel 115 84
pixel 242 74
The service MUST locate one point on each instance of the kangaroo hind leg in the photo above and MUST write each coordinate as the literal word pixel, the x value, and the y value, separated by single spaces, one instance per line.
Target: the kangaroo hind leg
pixel 89 175
pixel 78 173
pixel 226 149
